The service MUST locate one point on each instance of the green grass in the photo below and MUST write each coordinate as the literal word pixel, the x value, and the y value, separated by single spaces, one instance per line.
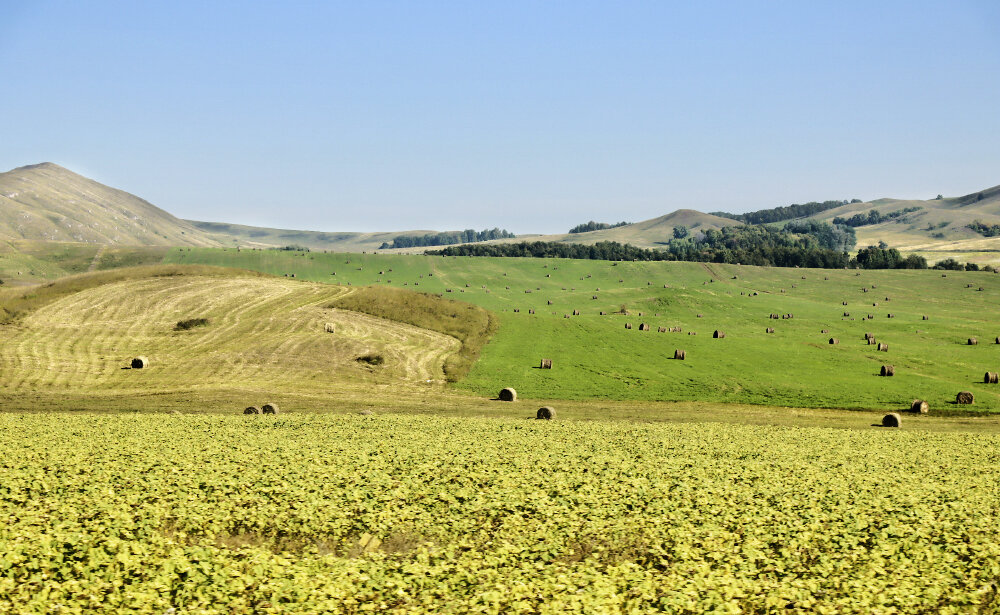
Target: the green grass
pixel 595 357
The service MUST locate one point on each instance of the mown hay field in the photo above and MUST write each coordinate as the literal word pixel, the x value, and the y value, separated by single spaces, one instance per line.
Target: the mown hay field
pixel 259 334
pixel 405 514
pixel 596 357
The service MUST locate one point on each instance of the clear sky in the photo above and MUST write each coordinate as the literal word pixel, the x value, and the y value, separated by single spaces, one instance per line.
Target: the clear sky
pixel 530 116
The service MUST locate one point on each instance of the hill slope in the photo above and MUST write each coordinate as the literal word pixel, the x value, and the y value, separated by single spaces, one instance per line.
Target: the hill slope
pixel 50 203
pixel 939 226
pixel 257 236
pixel 263 334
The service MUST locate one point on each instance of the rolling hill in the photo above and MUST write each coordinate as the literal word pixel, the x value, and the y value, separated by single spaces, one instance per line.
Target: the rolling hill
pixel 257 236
pixel 937 230
pixel 49 203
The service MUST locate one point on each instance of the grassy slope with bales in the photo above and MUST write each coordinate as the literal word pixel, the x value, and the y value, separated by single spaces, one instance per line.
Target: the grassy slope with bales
pixel 49 203
pixel 596 358
pixel 67 342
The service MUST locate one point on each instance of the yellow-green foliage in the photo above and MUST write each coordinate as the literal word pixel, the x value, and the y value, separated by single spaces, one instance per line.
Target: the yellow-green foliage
pixel 343 514
pixel 471 325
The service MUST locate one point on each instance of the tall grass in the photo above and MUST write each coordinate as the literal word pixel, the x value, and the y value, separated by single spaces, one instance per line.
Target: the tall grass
pixel 472 325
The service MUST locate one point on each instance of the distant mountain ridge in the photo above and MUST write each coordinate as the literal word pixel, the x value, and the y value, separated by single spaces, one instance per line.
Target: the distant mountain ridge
pixel 47 202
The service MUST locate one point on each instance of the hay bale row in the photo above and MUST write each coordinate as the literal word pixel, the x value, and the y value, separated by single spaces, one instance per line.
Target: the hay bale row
pixel 991 378
pixel 888 370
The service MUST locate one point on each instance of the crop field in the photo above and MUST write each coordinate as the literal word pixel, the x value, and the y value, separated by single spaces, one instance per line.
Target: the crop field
pixel 346 514
pixel 596 357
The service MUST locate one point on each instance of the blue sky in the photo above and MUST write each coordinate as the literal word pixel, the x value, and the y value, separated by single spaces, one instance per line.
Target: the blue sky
pixel 530 116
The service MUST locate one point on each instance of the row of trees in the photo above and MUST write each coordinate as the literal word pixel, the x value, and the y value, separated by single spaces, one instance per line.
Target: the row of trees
pixel 586 227
pixel 873 217
pixel 446 238
pixel 780 214
pixel 988 230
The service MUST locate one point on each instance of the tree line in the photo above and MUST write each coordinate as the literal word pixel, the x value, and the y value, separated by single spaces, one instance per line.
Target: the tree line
pixel 788 212
pixel 873 217
pixel 586 227
pixel 446 238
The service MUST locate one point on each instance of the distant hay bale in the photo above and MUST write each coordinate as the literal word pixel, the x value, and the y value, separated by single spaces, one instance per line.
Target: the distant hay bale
pixel 972 341
pixel 252 410
pixel 328 327
pixel 843 302
pixel 680 355
pixel 140 362
pixel 628 325
pixel 834 340
pixel 888 370
pixel 883 347
pixel 508 394
pixel 545 413
pixel 825 331
pixel 924 317
pixel 546 364
pixel 689 332
pixel 601 313
pixel 699 315
pixel 770 330
pixel 871 341
pixel 965 397
pixel 576 312
pixel 661 329
pixel 531 310
pixel 643 326
pixel 869 336
pixel 997 340
pixel 991 378
pixel 549 302
pixel 892 420
pixel 269 408
pixel 919 406
pixel 846 314
pixel 718 334
pixel 889 315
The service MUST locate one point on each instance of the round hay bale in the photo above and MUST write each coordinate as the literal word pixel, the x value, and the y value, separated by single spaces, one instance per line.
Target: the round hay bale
pixel 919 406
pixel 699 315
pixel 628 325
pixel 770 330
pixel 965 397
pixel 825 331
pixel 252 410
pixel 546 364
pixel 924 317
pixel 883 347
pixel 680 355
pixel 888 370
pixel 329 327
pixel 508 394
pixel 973 341
pixel 718 334
pixel 834 340
pixel 892 420
pixel 997 340
pixel 871 341
pixel 140 362
pixel 991 378
pixel 546 413
pixel 643 326
pixel 269 408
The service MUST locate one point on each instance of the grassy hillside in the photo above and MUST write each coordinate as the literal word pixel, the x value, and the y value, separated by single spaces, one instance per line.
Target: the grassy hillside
pixel 49 203
pixel 596 358
pixel 938 230
pixel 264 338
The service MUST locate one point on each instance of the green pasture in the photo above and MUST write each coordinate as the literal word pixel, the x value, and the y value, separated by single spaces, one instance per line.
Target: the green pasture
pixel 596 357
